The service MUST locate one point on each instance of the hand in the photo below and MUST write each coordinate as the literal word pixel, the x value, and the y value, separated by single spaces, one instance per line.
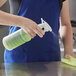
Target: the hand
pixel 31 28
pixel 67 55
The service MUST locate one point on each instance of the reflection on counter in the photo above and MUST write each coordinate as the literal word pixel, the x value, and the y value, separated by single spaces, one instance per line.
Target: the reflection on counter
pixel 37 69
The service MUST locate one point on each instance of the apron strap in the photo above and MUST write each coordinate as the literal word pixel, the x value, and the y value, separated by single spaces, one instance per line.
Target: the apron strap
pixel 61 3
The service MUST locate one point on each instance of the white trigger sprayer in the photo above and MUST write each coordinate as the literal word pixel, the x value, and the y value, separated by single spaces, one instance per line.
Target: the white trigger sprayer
pixel 45 25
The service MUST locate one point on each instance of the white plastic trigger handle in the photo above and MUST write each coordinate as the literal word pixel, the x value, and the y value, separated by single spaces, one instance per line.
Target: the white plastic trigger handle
pixel 45 26
pixel 42 24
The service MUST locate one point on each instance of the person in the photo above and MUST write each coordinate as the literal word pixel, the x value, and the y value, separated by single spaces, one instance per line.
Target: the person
pixel 44 49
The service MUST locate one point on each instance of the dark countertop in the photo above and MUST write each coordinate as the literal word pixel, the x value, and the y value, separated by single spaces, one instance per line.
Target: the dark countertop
pixel 37 69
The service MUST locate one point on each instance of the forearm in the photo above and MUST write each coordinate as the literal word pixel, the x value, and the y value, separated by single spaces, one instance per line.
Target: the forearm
pixel 67 39
pixel 9 19
pixel 68 36
pixel 2 2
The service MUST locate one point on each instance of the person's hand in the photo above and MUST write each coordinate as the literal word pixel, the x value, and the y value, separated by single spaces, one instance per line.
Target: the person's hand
pixel 31 28
pixel 67 55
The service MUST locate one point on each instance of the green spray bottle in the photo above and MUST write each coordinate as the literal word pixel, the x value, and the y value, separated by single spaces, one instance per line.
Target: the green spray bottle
pixel 19 37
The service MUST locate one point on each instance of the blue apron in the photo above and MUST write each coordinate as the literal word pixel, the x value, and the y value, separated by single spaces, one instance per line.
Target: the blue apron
pixel 44 49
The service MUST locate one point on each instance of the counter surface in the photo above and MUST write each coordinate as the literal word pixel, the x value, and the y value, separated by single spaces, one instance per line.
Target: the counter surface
pixel 37 69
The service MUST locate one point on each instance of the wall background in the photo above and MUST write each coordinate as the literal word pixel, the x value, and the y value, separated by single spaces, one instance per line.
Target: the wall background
pixel 72 9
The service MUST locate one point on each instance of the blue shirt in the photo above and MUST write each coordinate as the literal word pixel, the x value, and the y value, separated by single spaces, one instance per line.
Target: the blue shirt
pixel 38 49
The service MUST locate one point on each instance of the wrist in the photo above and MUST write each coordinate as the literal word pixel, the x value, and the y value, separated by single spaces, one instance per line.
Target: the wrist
pixel 21 21
pixel 18 21
pixel 68 52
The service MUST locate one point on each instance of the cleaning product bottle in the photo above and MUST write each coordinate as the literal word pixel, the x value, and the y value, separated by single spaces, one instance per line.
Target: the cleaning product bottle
pixel 20 37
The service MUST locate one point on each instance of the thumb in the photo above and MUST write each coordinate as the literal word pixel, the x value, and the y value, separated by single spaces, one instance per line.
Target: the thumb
pixel 67 56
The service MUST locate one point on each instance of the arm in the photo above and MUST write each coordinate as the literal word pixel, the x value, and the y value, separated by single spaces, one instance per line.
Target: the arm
pixel 67 38
pixel 2 2
pixel 9 19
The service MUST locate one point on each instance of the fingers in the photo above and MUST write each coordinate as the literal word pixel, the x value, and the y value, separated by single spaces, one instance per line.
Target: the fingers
pixel 35 29
pixel 67 56
pixel 38 31
pixel 30 33
pixel 74 55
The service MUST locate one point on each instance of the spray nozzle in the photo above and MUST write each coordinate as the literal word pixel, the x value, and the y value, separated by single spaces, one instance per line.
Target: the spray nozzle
pixel 45 26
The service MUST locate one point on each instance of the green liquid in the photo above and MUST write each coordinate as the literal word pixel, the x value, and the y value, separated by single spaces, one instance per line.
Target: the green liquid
pixel 16 39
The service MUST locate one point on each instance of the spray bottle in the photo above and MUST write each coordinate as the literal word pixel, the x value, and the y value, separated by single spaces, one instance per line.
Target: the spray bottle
pixel 19 37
